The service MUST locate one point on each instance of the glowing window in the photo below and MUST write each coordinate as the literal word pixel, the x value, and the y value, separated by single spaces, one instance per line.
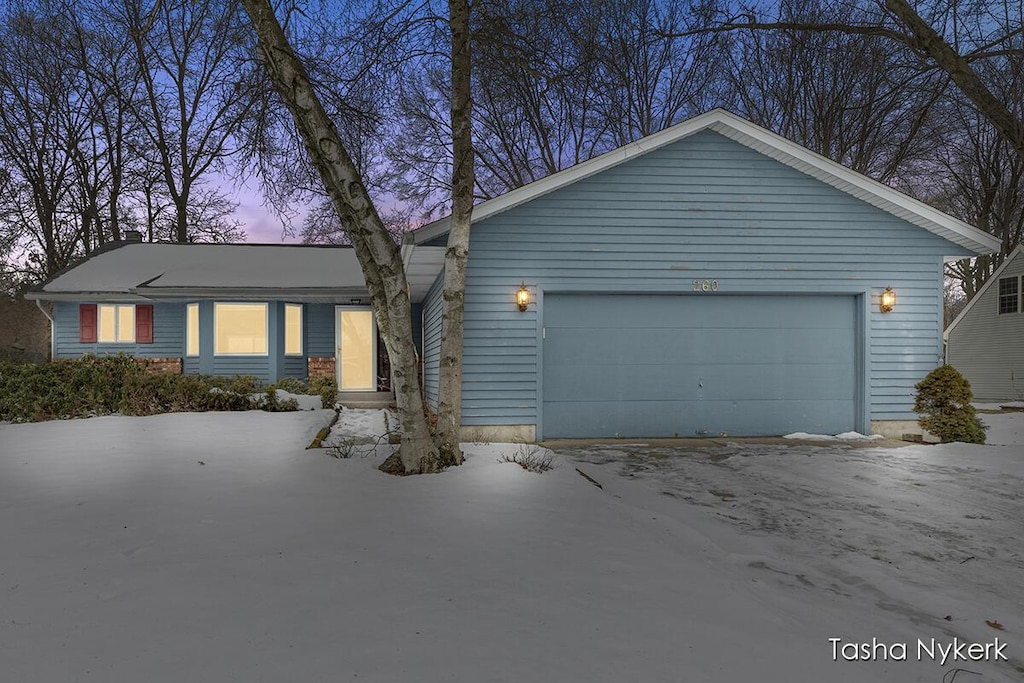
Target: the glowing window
pixel 293 329
pixel 240 329
pixel 192 330
pixel 116 323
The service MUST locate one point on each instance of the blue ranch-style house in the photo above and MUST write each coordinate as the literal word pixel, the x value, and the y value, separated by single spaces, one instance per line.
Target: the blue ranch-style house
pixel 711 279
pixel 270 311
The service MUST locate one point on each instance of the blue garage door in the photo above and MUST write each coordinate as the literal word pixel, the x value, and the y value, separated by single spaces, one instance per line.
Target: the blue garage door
pixel 697 365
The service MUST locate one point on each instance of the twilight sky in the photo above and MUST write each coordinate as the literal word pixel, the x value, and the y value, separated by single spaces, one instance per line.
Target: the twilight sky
pixel 261 225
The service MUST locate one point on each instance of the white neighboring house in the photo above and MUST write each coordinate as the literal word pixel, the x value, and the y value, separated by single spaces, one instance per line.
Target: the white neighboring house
pixel 986 341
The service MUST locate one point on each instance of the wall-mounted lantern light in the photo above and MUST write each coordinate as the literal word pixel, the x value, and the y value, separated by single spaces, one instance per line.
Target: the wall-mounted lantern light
pixel 888 300
pixel 523 297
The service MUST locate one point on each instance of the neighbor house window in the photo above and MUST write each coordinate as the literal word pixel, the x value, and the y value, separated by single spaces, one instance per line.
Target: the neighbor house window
pixel 240 329
pixel 1009 294
pixel 116 323
pixel 192 330
pixel 293 329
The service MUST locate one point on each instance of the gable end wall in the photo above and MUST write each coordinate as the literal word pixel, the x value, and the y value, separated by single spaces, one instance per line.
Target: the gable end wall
pixel 705 207
pixel 988 348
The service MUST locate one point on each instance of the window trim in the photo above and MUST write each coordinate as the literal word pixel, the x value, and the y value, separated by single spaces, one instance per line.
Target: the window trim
pixel 117 324
pixel 188 330
pixel 284 325
pixel 266 329
pixel 1016 295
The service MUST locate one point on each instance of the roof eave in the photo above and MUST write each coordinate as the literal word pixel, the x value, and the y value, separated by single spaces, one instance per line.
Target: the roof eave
pixel 43 295
pixel 261 293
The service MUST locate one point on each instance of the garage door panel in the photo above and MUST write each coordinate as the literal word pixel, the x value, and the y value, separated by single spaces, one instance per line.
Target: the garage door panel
pixel 651 365
pixel 584 383
pixel 752 346
pixel 581 345
pixel 616 419
pixel 775 417
pixel 762 382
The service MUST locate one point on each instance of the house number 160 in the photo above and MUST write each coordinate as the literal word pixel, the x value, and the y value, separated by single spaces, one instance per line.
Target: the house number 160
pixel 705 285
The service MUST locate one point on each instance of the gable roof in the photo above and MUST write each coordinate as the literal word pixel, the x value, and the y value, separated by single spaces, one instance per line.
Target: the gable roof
pixel 761 140
pixel 992 279
pixel 158 270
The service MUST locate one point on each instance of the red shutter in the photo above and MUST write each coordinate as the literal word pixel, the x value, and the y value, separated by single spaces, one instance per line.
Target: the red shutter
pixel 87 323
pixel 144 324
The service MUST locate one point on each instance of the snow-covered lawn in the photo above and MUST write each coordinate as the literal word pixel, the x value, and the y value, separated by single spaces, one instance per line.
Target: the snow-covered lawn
pixel 125 559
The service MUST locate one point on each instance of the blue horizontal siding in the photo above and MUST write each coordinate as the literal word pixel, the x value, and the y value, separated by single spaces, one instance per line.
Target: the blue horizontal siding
pixel 705 207
pixel 256 366
pixel 431 351
pixel 294 366
pixel 168 333
pixel 169 341
pixel 319 328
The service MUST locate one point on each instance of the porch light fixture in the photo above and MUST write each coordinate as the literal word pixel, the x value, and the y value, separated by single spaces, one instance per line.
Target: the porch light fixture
pixel 523 297
pixel 888 300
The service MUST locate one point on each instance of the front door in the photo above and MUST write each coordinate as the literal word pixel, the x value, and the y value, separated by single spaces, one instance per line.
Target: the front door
pixel 356 348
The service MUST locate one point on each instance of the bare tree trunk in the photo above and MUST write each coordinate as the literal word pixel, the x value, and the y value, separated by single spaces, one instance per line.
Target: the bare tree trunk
pixel 377 253
pixel 449 413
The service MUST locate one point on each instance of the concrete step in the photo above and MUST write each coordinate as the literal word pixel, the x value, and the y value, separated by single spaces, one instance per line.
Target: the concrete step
pixel 370 400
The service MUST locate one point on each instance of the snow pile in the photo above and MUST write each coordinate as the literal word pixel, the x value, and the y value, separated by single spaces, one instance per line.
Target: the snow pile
pixel 845 436
pixel 305 401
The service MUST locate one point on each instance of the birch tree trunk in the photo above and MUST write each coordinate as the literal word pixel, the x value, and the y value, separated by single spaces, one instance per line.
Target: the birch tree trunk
pixel 378 255
pixel 456 258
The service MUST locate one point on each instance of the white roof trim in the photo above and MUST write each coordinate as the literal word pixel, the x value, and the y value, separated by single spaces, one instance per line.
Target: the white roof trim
pixel 763 141
pixel 992 279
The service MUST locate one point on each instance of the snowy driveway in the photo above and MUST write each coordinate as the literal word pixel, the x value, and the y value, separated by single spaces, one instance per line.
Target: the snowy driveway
pixel 918 531
pixel 948 505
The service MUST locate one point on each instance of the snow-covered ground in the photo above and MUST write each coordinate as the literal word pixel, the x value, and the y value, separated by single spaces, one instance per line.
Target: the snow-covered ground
pixel 214 547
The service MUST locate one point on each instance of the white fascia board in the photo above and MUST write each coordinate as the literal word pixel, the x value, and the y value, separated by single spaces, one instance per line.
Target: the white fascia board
pixel 993 278
pixel 763 141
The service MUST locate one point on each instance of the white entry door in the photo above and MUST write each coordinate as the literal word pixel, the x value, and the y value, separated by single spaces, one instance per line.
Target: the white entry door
pixel 356 348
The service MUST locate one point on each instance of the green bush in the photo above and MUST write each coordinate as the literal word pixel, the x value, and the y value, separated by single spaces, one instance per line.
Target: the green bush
pixel 90 385
pixel 101 385
pixel 944 402
pixel 326 388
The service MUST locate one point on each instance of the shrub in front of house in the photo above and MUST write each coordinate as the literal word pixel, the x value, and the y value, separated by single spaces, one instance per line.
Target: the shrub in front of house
pixel 101 385
pixel 326 388
pixel 944 402
pixel 64 388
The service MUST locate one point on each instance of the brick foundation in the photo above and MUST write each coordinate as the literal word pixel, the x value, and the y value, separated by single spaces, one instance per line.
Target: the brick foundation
pixel 320 367
pixel 169 366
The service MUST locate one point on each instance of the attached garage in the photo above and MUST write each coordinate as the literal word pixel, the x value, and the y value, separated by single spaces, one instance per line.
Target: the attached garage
pixel 617 341
pixel 697 365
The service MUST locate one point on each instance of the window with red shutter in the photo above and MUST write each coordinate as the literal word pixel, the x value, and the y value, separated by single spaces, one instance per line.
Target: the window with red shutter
pixel 87 323
pixel 144 324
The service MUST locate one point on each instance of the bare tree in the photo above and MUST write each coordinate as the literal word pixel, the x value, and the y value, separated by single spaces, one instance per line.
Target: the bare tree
pixel 377 253
pixel 897 21
pixel 191 57
pixel 851 97
pixel 649 81
pixel 44 115
pixel 984 185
